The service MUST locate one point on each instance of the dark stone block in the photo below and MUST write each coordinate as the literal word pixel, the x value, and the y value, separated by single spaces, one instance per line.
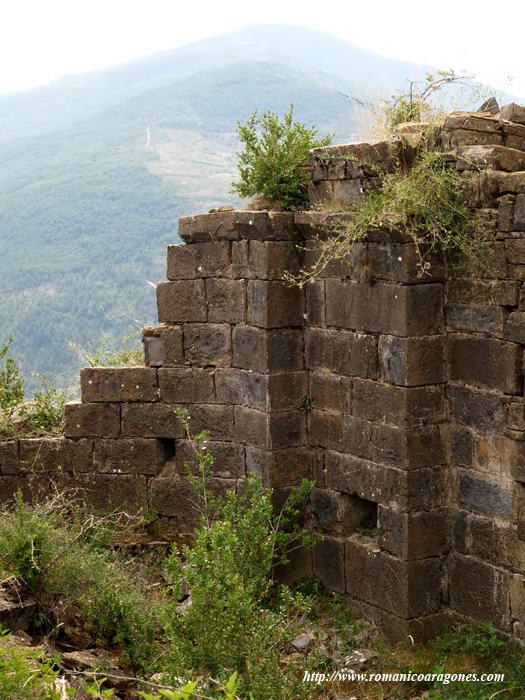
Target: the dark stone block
pixel 486 362
pixel 92 420
pixel 179 302
pixel 119 384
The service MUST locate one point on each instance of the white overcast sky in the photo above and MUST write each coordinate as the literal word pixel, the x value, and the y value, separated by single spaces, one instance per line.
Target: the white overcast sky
pixel 41 40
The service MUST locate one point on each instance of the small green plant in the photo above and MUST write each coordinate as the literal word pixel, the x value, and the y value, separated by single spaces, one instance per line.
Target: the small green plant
pixel 482 640
pixel 228 573
pixel 228 691
pixel 55 549
pixel 27 673
pixel 273 164
pixel 415 105
pixel 425 203
pixel 11 382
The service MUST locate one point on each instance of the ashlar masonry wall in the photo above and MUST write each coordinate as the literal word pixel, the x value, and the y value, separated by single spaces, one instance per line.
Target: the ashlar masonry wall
pixel 400 396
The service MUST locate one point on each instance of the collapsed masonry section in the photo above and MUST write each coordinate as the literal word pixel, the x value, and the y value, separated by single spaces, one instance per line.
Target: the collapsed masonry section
pixel 400 396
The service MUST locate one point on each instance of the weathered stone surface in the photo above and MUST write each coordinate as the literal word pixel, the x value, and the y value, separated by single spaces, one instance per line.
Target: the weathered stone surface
pixel 229 461
pixel 92 420
pixel 495 157
pixel 506 212
pixel 129 455
pixel 330 391
pixel 198 260
pixel 481 188
pixel 174 497
pixel 412 361
pixel 226 300
pixel 414 535
pixel 385 308
pixel 409 589
pixel 486 362
pixel 238 386
pixel 414 449
pixel 284 467
pixel 519 213
pixel 328 556
pixel 478 590
pixel 381 153
pixel 265 260
pixel 9 460
pixel 287 390
pixel 481 495
pixel 267 350
pixel 315 303
pixel 208 344
pixel 481 319
pixel 270 431
pixel 472 121
pixel 162 345
pixel 56 455
pixel 274 304
pixel 475 408
pixel 420 489
pixel 182 301
pixel 337 192
pixel 326 429
pixel 515 250
pixel 341 514
pixel 513 112
pixel 150 420
pixel 113 491
pixel 186 385
pixel 119 384
pixel 353 354
pixel 215 418
pixel 515 327
pixel 482 292
pixel 238 225
pixel 470 137
pixel 399 406
pixel 511 182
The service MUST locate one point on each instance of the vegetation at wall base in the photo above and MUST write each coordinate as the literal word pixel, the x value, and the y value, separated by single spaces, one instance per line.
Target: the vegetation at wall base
pixel 274 162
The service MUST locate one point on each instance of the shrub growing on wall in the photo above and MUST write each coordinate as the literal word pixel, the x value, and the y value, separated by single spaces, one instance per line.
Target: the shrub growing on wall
pixel 273 164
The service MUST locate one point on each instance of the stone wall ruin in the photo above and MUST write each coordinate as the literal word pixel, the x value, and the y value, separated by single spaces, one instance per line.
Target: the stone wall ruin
pixel 401 396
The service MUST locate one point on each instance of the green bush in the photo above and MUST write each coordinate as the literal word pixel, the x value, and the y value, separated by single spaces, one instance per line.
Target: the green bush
pixel 55 549
pixel 273 164
pixel 238 619
pixel 42 415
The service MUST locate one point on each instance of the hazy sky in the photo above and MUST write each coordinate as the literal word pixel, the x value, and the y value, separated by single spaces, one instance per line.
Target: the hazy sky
pixel 41 40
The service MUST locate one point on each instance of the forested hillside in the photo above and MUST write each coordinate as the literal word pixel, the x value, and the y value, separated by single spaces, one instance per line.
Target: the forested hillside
pixel 96 170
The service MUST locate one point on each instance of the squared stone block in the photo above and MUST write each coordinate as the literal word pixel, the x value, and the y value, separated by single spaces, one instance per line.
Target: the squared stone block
pixel 401 406
pixel 267 350
pixel 239 386
pixel 326 429
pixel 491 157
pixel 110 492
pixel 265 260
pixel 408 449
pixel 329 563
pixel 284 467
pixel 226 300
pixel 9 460
pixel 186 385
pixel 329 391
pixel 198 260
pixel 92 420
pixel 486 363
pixel 180 302
pixel 208 344
pixel 385 308
pixel 315 303
pixel 482 495
pixel 119 384
pixel 270 431
pixel 478 590
pixel 229 460
pixel 56 455
pixel 163 346
pixel 415 535
pixel 343 352
pixel 412 361
pixel 483 292
pixel 515 327
pixel 274 304
pixel 214 418
pixel 475 408
pixel 129 456
pixel 238 225
pixel 151 420
pixel 408 589
pixel 481 319
pixel 287 391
